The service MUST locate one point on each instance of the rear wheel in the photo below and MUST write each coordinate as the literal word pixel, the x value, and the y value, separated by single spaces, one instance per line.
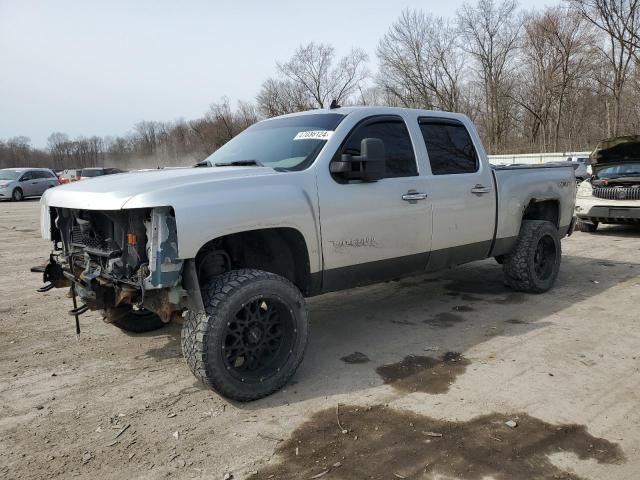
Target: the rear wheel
pixel 17 195
pixel 587 227
pixel 136 321
pixel 534 263
pixel 252 337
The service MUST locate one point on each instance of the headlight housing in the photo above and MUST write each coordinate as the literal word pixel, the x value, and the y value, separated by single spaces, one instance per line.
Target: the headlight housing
pixel 585 189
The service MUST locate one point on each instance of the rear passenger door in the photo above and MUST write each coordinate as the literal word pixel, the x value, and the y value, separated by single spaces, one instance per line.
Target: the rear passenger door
pixel 462 194
pixel 45 180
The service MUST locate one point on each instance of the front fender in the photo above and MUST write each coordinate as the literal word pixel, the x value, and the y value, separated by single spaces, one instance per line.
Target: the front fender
pixel 205 212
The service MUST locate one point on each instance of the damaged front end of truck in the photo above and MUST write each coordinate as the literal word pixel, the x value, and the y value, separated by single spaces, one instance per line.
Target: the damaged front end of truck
pixel 122 262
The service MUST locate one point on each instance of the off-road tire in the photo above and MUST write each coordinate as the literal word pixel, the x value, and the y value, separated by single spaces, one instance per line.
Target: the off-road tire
pixel 140 321
pixel 17 195
pixel 586 227
pixel 204 335
pixel 527 268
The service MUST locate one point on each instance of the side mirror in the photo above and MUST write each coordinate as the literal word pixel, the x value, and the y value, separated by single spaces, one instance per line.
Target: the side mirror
pixel 369 166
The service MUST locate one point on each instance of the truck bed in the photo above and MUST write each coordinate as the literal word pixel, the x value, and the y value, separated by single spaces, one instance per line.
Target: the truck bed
pixel 519 185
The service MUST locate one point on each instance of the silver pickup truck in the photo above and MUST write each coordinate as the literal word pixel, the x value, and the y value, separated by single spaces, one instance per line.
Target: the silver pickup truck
pixel 297 206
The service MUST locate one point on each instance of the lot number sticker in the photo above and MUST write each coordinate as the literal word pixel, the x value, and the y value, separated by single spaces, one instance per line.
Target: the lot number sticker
pixel 314 135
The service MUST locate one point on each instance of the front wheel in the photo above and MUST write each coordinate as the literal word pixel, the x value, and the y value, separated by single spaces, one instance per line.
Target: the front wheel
pixel 17 195
pixel 534 263
pixel 252 336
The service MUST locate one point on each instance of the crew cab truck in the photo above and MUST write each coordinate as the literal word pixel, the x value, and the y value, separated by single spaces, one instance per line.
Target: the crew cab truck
pixel 297 206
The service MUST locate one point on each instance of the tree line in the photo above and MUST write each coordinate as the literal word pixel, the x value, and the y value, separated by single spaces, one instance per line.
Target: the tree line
pixel 556 79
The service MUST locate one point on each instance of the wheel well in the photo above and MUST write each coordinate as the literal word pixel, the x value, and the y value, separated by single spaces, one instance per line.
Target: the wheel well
pixel 282 251
pixel 548 210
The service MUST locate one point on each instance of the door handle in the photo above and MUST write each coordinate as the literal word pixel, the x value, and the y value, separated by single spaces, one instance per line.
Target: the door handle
pixel 480 189
pixel 413 196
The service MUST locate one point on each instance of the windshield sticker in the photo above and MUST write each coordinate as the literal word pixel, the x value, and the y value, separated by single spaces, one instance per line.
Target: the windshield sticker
pixel 314 135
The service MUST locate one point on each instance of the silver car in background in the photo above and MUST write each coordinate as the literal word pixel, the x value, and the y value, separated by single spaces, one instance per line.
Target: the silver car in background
pixel 582 170
pixel 19 183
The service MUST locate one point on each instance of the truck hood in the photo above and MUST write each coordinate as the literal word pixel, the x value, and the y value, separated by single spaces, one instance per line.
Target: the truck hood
pixel 113 192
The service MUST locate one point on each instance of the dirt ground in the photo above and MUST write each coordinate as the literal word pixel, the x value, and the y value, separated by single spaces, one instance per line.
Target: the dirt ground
pixel 410 379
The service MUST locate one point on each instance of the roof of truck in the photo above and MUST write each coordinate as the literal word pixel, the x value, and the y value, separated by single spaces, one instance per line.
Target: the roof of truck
pixel 378 110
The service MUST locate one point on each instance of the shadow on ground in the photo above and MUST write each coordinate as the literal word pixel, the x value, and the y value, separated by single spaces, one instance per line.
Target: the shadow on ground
pixel 382 443
pixel 429 316
pixel 356 334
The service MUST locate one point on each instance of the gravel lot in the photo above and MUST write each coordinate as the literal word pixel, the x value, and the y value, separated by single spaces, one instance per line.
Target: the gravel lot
pixel 409 379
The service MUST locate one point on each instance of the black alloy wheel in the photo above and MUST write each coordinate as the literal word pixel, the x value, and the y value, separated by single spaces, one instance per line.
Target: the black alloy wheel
pixel 251 338
pixel 545 257
pixel 257 338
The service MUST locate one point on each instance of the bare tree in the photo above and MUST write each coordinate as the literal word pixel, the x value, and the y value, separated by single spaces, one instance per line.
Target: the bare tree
pixel 246 115
pixel 555 53
pixel 572 41
pixel 220 114
pixel 311 69
pixel 419 62
pixel 490 35
pixel 148 134
pixel 278 97
pixel 622 16
pixel 535 88
pixel 59 147
pixel 620 21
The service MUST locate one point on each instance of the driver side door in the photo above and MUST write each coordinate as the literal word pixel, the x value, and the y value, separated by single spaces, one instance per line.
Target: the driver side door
pixel 375 231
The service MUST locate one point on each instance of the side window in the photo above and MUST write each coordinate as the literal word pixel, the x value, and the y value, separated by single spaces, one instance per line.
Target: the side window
pixel 449 147
pixel 40 174
pixel 401 161
pixel 27 176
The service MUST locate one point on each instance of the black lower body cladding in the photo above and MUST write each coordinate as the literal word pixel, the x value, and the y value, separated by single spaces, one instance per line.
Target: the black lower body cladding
pixel 252 336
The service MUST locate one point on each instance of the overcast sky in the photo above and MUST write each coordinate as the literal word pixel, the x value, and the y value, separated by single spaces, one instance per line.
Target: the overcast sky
pixel 97 67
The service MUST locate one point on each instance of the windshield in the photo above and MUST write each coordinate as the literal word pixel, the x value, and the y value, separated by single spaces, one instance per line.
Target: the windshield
pixel 9 174
pixel 91 173
pixel 290 143
pixel 620 170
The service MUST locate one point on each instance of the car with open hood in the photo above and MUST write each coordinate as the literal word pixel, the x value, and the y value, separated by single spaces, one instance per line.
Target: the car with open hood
pixel 612 194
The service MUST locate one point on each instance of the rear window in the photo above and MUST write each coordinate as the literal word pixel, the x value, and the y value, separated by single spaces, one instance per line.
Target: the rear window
pixel 449 147
pixel 91 173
